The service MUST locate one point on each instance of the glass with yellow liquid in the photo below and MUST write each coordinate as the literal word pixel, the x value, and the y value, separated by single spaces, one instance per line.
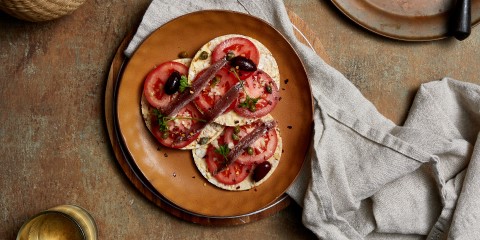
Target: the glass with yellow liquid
pixel 58 223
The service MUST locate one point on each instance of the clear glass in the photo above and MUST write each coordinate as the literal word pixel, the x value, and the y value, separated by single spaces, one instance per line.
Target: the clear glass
pixel 61 222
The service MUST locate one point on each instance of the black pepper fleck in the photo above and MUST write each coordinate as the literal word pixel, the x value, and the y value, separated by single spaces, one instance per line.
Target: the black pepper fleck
pixel 165 155
pixel 283 89
pixel 286 81
pixel 289 127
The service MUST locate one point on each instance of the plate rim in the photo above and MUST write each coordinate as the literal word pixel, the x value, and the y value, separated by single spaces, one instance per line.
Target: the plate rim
pixel 310 121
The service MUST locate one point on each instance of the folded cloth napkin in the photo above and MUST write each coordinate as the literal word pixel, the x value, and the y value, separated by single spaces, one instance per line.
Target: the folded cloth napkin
pixel 368 178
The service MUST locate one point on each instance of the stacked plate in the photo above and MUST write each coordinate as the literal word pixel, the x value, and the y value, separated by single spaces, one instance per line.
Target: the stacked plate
pixel 169 177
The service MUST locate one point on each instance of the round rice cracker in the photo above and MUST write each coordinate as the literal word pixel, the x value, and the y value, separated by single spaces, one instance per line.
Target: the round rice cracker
pixel 266 63
pixel 211 131
pixel 247 183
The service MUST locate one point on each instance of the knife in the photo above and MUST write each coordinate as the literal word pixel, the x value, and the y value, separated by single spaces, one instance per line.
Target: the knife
pixel 461 19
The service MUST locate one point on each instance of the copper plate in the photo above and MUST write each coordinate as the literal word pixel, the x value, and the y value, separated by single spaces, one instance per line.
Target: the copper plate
pixel 172 172
pixel 409 20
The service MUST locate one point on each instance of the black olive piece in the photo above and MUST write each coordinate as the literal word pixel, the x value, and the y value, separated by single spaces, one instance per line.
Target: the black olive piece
pixel 173 83
pixel 261 170
pixel 243 63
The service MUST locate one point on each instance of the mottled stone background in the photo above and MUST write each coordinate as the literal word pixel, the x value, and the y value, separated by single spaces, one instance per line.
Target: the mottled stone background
pixel 54 144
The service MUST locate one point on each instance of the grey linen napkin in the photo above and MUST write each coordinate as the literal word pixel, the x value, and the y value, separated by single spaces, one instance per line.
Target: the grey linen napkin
pixel 368 178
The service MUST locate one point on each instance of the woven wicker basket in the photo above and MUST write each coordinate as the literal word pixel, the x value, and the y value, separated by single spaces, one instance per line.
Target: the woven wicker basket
pixel 39 10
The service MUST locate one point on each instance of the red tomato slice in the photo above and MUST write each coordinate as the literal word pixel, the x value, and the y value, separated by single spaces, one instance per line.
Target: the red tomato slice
pixel 240 47
pixel 256 87
pixel 263 148
pixel 234 174
pixel 214 91
pixel 177 127
pixel 155 80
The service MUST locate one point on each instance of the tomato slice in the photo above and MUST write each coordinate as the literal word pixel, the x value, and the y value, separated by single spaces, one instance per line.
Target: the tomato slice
pixel 232 175
pixel 256 87
pixel 155 81
pixel 187 116
pixel 215 90
pixel 239 46
pixel 263 148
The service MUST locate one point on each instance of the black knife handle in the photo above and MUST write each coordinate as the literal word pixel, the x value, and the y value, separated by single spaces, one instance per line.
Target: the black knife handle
pixel 461 19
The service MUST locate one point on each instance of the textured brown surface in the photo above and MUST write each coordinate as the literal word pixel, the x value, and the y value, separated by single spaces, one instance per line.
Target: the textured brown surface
pixel 55 148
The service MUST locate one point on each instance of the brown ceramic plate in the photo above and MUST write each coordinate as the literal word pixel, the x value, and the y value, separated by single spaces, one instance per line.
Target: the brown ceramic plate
pixel 172 172
pixel 410 20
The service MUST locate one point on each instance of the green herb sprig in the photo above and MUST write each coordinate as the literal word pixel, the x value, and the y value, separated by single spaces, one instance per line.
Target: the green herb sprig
pixel 183 84
pixel 163 120
pixel 223 150
pixel 249 102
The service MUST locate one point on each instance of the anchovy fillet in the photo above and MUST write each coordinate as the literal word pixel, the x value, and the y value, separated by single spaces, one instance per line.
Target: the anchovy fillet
pixel 246 141
pixel 218 109
pixel 189 94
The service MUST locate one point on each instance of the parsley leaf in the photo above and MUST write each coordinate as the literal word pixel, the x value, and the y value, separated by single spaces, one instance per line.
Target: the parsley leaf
pixel 249 102
pixel 183 84
pixel 162 120
pixel 223 150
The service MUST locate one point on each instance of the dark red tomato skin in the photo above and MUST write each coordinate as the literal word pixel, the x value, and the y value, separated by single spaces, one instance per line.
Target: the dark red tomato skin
pixel 153 87
pixel 234 174
pixel 207 99
pixel 260 154
pixel 256 87
pixel 175 130
pixel 239 46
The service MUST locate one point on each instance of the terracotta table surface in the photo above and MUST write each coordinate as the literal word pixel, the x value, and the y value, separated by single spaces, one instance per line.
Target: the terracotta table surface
pixel 55 147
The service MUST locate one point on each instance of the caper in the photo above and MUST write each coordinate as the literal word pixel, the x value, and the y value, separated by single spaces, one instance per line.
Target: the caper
pixel 268 88
pixel 243 63
pixel 165 135
pixel 215 80
pixel 203 55
pixel 203 140
pixel 183 54
pixel 173 83
pixel 250 151
pixel 235 137
pixel 236 129
pixel 252 108
pixel 230 55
